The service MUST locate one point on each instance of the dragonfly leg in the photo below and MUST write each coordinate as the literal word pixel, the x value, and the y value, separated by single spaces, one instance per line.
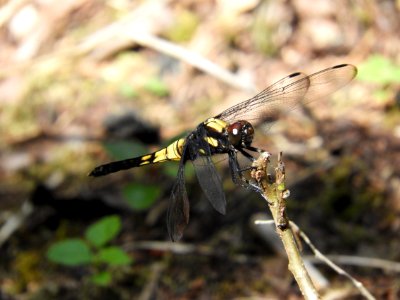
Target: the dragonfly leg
pixel 254 149
pixel 247 155
pixel 237 172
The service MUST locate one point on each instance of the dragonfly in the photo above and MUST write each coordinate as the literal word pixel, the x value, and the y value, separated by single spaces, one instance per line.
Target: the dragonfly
pixel 231 133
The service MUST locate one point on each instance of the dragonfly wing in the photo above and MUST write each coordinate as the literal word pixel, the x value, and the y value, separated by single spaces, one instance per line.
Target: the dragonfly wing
pixel 285 93
pixel 210 182
pixel 178 209
pixel 289 92
pixel 329 80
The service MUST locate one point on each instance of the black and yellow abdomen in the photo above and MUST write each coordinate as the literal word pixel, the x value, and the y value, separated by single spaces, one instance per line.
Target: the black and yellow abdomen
pixel 172 152
pixel 215 129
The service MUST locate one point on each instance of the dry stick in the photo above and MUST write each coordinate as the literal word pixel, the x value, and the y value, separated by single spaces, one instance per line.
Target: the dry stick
pixel 124 32
pixel 369 262
pixel 275 194
pixel 9 9
pixel 15 221
pixel 192 58
pixel 128 30
pixel 335 267
pixel 149 289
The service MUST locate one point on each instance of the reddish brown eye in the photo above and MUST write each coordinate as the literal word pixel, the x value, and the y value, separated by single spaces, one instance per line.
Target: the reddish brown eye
pixel 235 128
pixel 235 133
pixel 240 133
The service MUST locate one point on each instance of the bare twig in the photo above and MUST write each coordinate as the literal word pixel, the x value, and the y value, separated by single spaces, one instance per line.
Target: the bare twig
pixel 131 30
pixel 137 27
pixel 369 262
pixel 149 40
pixel 191 58
pixel 15 221
pixel 335 267
pixel 268 234
pixel 149 289
pixel 186 249
pixel 275 193
pixel 177 248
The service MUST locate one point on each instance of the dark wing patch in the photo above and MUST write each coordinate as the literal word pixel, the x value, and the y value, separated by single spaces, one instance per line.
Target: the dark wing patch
pixel 210 182
pixel 178 209
pixel 207 175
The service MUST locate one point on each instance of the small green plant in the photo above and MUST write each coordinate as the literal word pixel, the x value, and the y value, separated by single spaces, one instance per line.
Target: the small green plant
pixel 381 71
pixel 92 250
pixel 156 86
pixel 139 196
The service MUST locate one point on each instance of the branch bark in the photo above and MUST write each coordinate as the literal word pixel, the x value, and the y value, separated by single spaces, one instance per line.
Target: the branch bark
pixel 275 193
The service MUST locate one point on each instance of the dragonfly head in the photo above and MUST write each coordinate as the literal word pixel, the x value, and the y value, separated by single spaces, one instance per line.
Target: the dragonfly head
pixel 241 133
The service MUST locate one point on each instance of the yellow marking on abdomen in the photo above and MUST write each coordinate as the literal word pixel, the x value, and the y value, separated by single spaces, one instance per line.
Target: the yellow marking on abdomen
pixel 172 152
pixel 146 157
pixel 160 155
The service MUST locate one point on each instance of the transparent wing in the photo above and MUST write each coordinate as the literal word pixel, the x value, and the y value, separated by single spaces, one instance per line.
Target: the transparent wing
pixel 207 175
pixel 290 91
pixel 210 182
pixel 178 209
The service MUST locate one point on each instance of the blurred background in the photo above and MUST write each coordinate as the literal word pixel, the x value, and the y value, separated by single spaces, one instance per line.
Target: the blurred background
pixel 84 82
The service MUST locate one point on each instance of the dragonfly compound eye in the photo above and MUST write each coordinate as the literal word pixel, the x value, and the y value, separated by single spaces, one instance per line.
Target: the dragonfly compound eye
pixel 247 133
pixel 241 133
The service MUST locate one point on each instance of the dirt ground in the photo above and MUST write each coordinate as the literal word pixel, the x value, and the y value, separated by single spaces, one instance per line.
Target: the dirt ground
pixel 85 82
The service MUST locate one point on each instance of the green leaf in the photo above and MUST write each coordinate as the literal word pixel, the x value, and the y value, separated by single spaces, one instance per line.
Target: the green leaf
pixel 102 278
pixel 103 230
pixel 378 69
pixel 114 256
pixel 70 252
pixel 124 149
pixel 157 87
pixel 141 197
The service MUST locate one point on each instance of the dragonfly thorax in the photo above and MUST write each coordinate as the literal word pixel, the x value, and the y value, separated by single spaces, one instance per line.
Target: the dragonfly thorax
pixel 241 133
